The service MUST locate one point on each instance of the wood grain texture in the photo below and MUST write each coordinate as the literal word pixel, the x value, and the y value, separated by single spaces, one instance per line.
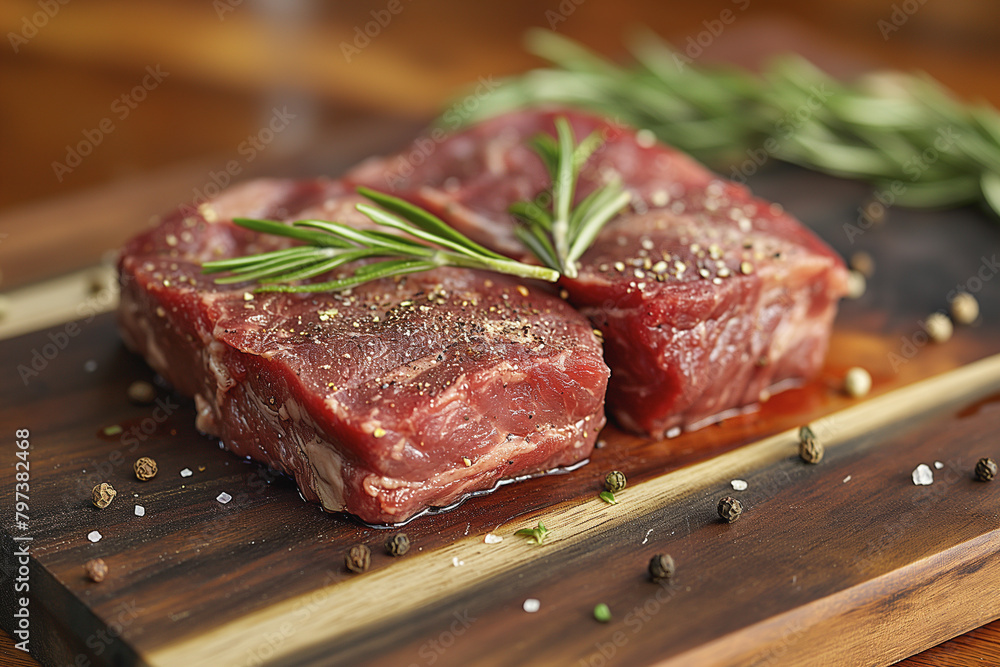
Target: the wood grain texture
pixel 863 548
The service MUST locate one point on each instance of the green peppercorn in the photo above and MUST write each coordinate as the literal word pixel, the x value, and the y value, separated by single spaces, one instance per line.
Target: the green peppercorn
pixel 397 544
pixel 615 481
pixel 602 613
pixel 358 558
pixel 661 566
pixel 986 470
pixel 730 509
pixel 810 448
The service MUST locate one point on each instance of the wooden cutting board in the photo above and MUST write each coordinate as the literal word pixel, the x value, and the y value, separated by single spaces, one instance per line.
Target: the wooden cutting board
pixel 846 562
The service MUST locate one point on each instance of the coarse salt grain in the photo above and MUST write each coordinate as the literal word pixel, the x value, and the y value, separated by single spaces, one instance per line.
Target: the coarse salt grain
pixel 94 536
pixel 847 479
pixel 922 475
pixel 490 538
pixel 140 510
pixel 739 485
pixel 224 497
pixel 455 562
pixel 531 605
pixel 938 465
pixel 186 472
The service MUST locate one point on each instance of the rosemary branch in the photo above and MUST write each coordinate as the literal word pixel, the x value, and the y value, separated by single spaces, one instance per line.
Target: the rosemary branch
pixel 889 129
pixel 559 236
pixel 430 243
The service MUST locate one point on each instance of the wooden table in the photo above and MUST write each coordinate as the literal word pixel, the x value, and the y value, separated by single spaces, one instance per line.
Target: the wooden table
pixel 88 55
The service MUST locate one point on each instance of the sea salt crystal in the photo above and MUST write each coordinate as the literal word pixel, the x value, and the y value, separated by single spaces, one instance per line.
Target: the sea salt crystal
pixel 531 605
pixel 923 475
pixel 140 510
pixel 739 485
pixel 455 562
pixel 186 472
pixel 490 538
pixel 938 465
pixel 94 536
pixel 224 497
pixel 847 479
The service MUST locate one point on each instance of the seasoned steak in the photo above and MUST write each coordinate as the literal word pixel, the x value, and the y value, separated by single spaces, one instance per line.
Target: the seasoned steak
pixel 398 395
pixel 708 298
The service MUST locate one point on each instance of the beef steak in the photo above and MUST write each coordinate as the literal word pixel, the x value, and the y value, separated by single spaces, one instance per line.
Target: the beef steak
pixel 709 299
pixel 381 401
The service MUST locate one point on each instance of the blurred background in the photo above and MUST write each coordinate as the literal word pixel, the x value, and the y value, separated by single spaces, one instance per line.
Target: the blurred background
pixel 114 111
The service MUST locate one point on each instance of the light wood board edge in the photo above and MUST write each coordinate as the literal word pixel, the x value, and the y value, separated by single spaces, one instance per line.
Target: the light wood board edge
pixel 76 295
pixel 810 634
pixel 422 579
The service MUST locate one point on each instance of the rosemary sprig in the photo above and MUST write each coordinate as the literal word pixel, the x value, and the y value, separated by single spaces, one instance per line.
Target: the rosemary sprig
pixel 429 243
pixel 888 129
pixel 551 228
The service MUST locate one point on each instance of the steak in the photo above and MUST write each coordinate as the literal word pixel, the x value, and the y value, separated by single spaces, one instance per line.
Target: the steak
pixel 709 300
pixel 401 394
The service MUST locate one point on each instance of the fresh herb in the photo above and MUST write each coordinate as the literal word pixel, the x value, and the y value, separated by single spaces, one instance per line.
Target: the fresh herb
pixel 553 230
pixel 430 243
pixel 602 613
pixel 608 497
pixel 883 128
pixel 114 429
pixel 536 535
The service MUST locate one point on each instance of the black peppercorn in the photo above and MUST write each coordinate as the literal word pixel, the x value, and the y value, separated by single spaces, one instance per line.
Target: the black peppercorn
pixel 810 448
pixel 986 470
pixel 661 566
pixel 730 509
pixel 358 558
pixel 615 481
pixel 397 544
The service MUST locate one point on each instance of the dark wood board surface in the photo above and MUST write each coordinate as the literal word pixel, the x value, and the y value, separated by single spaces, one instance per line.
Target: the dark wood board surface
pixel 191 565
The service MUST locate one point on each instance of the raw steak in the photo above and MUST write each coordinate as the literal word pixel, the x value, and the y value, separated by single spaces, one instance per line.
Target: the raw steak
pixel 708 298
pixel 382 401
